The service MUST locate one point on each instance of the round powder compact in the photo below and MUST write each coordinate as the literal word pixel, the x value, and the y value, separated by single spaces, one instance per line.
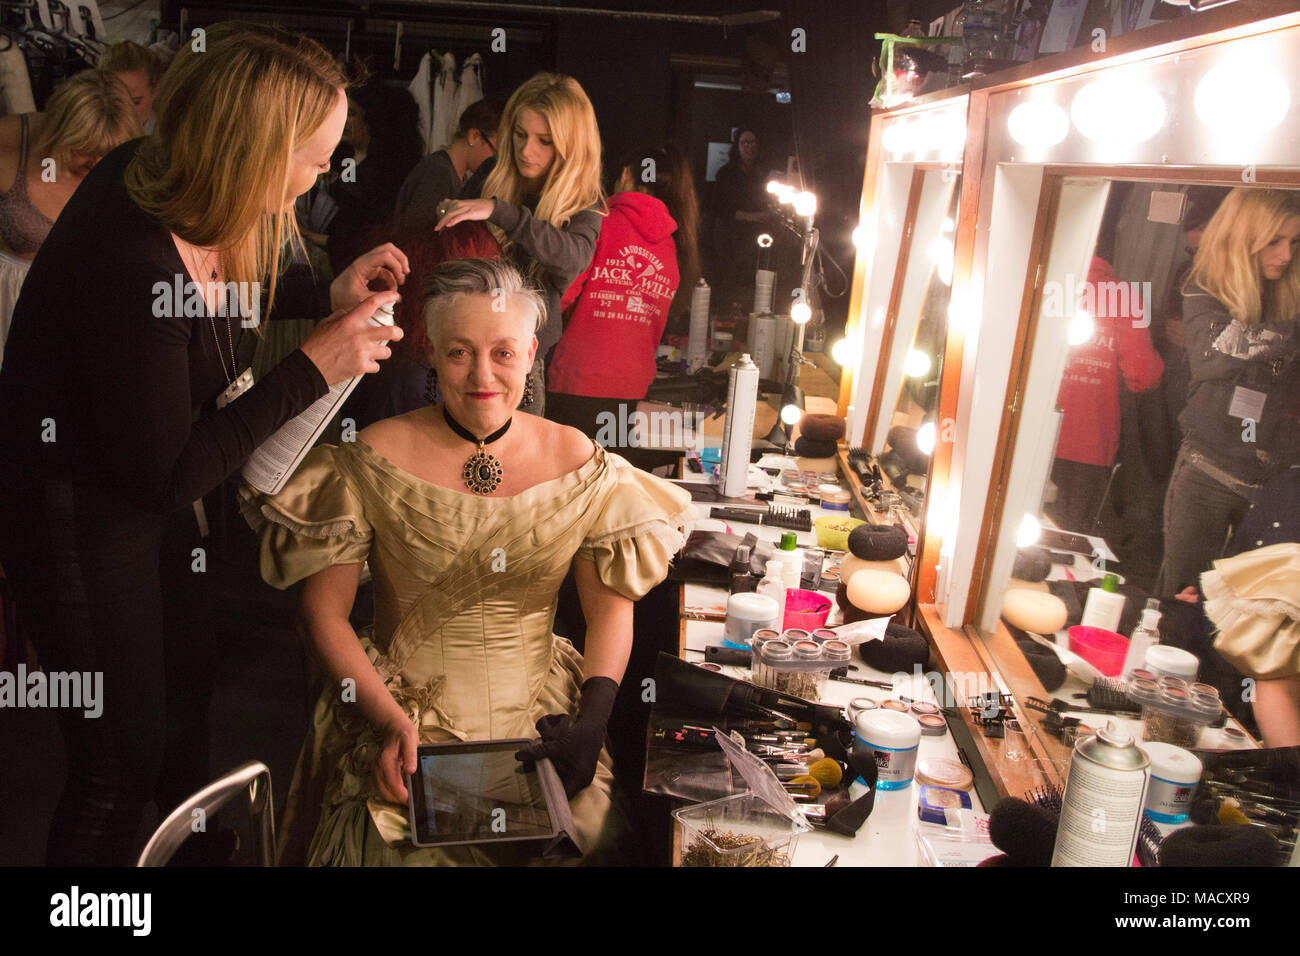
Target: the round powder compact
pixel 834 498
pixel 897 705
pixel 944 773
pixel 932 725
pixel 859 705
pixel 824 634
pixel 1233 733
pixel 923 707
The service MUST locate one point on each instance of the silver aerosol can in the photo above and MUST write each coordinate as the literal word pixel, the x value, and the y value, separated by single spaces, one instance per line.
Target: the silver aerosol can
pixel 697 344
pixel 738 437
pixel 1102 807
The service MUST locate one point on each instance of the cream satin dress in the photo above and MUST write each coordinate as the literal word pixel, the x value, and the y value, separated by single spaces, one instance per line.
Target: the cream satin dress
pixel 465 595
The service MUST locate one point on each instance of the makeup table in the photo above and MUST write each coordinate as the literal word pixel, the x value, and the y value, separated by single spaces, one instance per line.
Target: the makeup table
pixel 889 835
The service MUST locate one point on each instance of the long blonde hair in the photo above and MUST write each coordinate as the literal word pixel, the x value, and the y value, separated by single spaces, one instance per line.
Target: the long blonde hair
pixel 88 114
pixel 1226 265
pixel 573 182
pixel 229 118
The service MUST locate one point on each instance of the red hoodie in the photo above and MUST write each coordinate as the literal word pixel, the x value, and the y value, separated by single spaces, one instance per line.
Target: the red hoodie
pixel 1120 347
pixel 616 310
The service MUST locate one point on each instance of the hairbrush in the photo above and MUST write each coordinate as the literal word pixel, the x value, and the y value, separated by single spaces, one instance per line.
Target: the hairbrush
pixel 776 516
pixel 1109 694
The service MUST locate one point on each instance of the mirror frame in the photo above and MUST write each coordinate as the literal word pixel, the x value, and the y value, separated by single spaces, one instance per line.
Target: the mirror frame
pixel 956 642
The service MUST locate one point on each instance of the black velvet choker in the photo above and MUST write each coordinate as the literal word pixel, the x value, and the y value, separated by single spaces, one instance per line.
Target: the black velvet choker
pixel 482 472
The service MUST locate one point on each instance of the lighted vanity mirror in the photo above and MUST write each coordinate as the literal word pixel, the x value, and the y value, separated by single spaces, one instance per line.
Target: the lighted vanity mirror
pixel 1149 418
pixel 903 433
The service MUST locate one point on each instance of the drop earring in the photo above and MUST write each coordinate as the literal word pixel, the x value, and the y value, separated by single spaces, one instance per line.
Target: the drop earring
pixel 431 386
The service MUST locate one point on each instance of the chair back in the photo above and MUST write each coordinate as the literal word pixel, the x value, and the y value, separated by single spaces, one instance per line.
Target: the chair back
pixel 253 778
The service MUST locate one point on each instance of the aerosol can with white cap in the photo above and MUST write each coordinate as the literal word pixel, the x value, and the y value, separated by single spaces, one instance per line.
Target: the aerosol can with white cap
pixel 1102 807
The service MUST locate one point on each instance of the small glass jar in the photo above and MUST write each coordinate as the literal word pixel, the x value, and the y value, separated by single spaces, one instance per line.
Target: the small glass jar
pixel 771 655
pixel 761 637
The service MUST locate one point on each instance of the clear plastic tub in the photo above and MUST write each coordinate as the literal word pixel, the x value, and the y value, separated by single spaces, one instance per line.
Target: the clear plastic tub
pixel 737 831
pixel 1173 714
pixel 796 664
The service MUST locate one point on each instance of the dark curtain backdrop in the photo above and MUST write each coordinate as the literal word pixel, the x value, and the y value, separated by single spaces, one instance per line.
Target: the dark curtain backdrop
pixel 830 86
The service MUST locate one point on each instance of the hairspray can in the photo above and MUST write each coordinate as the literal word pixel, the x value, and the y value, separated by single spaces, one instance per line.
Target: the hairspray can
pixel 742 401
pixel 697 347
pixel 1102 807
pixel 764 280
pixel 764 342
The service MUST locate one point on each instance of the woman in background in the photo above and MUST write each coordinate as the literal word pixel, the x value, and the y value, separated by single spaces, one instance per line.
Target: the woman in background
pixel 543 199
pixel 86 116
pixel 443 173
pixel 139 68
pixel 616 310
pixel 740 207
pixel 1239 308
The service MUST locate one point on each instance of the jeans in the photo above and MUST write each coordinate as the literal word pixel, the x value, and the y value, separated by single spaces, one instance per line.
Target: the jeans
pixel 1199 513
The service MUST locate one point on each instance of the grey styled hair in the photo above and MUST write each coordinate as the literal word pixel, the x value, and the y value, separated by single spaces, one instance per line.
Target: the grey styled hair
pixel 492 277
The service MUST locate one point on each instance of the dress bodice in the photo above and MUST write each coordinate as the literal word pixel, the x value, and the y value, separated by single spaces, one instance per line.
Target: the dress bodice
pixel 465 585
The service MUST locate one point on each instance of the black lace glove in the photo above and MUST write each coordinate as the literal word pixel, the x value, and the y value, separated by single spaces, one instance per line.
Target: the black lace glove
pixel 573 743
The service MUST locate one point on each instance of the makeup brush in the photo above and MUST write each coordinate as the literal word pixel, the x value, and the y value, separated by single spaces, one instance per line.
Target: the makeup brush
pixel 826 772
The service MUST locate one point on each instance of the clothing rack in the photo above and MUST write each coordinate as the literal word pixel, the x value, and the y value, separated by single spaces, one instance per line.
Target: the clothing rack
pixel 382 34
pixel 54 42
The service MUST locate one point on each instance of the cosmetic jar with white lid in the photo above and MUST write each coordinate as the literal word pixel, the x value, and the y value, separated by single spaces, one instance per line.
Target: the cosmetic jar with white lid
pixel 892 739
pixel 1175 772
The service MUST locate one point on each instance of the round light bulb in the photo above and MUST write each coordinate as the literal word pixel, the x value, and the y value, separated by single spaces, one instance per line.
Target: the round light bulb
pixel 805 204
pixel 1081 327
pixel 948 224
pixel 785 195
pixel 896 138
pixel 840 352
pixel 791 414
pixel 1116 111
pixel 925 438
pixel 1030 530
pixel 764 240
pixel 773 186
pixel 1242 100
pixel 800 312
pixel 1038 124
pixel 941 252
pixel 916 364
pixel 861 236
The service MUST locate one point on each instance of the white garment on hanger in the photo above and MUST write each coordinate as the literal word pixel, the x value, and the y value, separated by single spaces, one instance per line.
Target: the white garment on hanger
pixel 419 89
pixel 15 84
pixel 444 105
pixel 470 89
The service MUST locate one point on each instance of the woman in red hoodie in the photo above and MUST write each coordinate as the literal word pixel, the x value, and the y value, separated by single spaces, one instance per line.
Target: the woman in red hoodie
pixel 615 311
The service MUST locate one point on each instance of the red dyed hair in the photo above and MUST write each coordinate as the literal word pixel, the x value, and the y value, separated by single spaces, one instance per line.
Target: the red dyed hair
pixel 425 252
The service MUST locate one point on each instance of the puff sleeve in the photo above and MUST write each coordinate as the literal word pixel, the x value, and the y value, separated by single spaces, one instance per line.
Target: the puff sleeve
pixel 638 532
pixel 316 521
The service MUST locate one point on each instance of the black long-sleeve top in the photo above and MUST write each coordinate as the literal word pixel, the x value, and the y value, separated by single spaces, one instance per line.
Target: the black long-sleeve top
pixel 127 395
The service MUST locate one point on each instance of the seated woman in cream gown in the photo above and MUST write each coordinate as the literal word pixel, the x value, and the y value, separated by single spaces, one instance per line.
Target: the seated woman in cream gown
pixel 466 571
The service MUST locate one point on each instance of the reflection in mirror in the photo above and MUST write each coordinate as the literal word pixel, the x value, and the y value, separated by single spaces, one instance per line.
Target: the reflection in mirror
pixel 1175 408
pixel 905 430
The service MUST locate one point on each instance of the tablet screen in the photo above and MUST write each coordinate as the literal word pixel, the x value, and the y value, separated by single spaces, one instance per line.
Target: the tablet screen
pixel 476 793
